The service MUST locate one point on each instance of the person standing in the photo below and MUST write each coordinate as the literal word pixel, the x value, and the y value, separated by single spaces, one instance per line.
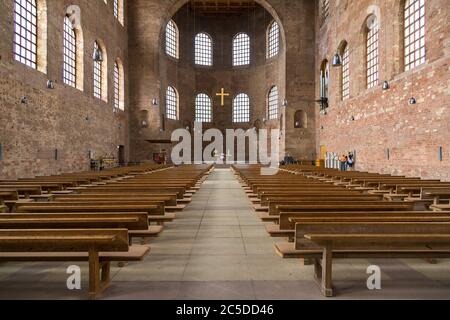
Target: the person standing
pixel 343 160
pixel 351 161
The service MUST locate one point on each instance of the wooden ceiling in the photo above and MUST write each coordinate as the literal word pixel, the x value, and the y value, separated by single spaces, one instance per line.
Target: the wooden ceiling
pixel 222 6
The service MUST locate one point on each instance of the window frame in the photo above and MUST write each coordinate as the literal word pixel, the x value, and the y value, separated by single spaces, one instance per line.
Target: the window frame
pixel 414 34
pixel 172 43
pixel 25 40
pixel 98 74
pixel 172 101
pixel 200 59
pixel 241 108
pixel 203 108
pixel 241 50
pixel 345 73
pixel 273 40
pixel 273 97
pixel 69 54
pixel 372 57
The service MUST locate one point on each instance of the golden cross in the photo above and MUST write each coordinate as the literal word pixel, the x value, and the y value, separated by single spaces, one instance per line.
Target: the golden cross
pixel 222 94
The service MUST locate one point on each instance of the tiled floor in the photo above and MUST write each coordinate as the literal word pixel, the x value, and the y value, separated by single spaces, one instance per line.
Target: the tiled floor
pixel 218 249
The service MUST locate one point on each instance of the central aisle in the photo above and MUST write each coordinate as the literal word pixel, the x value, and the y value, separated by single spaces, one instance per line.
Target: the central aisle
pixel 216 249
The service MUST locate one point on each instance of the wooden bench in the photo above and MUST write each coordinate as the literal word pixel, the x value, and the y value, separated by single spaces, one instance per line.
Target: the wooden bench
pixel 97 246
pixel 287 221
pixel 169 199
pixel 136 222
pixel 324 241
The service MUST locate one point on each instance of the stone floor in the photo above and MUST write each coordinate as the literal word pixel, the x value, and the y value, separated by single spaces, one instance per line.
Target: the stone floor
pixel 218 249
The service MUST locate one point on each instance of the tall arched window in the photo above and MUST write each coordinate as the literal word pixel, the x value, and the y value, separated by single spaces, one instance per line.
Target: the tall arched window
pixel 171 103
pixel 325 10
pixel 172 39
pixel 414 33
pixel 324 79
pixel 25 32
pixel 98 73
pixel 241 108
pixel 273 40
pixel 241 50
pixel 372 41
pixel 119 87
pixel 118 10
pixel 203 50
pixel 273 103
pixel 70 54
pixel 203 108
pixel 345 89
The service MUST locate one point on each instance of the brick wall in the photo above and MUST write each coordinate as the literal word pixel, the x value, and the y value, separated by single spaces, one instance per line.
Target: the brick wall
pixel 384 119
pixel 66 119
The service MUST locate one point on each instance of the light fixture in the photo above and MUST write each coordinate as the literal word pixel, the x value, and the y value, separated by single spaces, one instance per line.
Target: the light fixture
pixel 337 61
pixel 97 56
pixel 144 124
pixel 285 103
pixel 50 84
pixel 412 101
pixel 386 85
pixel 154 102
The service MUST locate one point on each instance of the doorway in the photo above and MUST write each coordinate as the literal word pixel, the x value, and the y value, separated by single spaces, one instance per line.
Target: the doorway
pixel 121 155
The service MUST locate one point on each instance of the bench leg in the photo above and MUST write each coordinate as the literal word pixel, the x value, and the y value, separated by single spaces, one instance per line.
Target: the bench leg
pixel 94 274
pixel 105 275
pixel 327 269
pixel 323 272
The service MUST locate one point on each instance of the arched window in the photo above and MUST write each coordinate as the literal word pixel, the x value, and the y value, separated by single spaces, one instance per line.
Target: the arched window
pixel 372 62
pixel 118 10
pixel 119 102
pixel 241 108
pixel 273 103
pixel 300 120
pixel 241 50
pixel 324 79
pixel 70 54
pixel 171 103
pixel 98 73
pixel 273 40
pixel 203 108
pixel 325 10
pixel 414 33
pixel 345 89
pixel 172 37
pixel 203 50
pixel 25 32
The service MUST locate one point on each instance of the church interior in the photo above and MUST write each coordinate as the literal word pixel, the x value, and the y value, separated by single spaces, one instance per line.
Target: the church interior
pixel 136 138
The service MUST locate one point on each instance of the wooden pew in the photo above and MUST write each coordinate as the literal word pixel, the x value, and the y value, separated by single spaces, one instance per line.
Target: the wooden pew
pixel 137 223
pixel 23 190
pixel 286 226
pixel 324 241
pixel 97 246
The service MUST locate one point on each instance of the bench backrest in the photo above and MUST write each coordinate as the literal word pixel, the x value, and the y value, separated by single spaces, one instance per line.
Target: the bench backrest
pixel 130 221
pixel 64 240
pixel 301 229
